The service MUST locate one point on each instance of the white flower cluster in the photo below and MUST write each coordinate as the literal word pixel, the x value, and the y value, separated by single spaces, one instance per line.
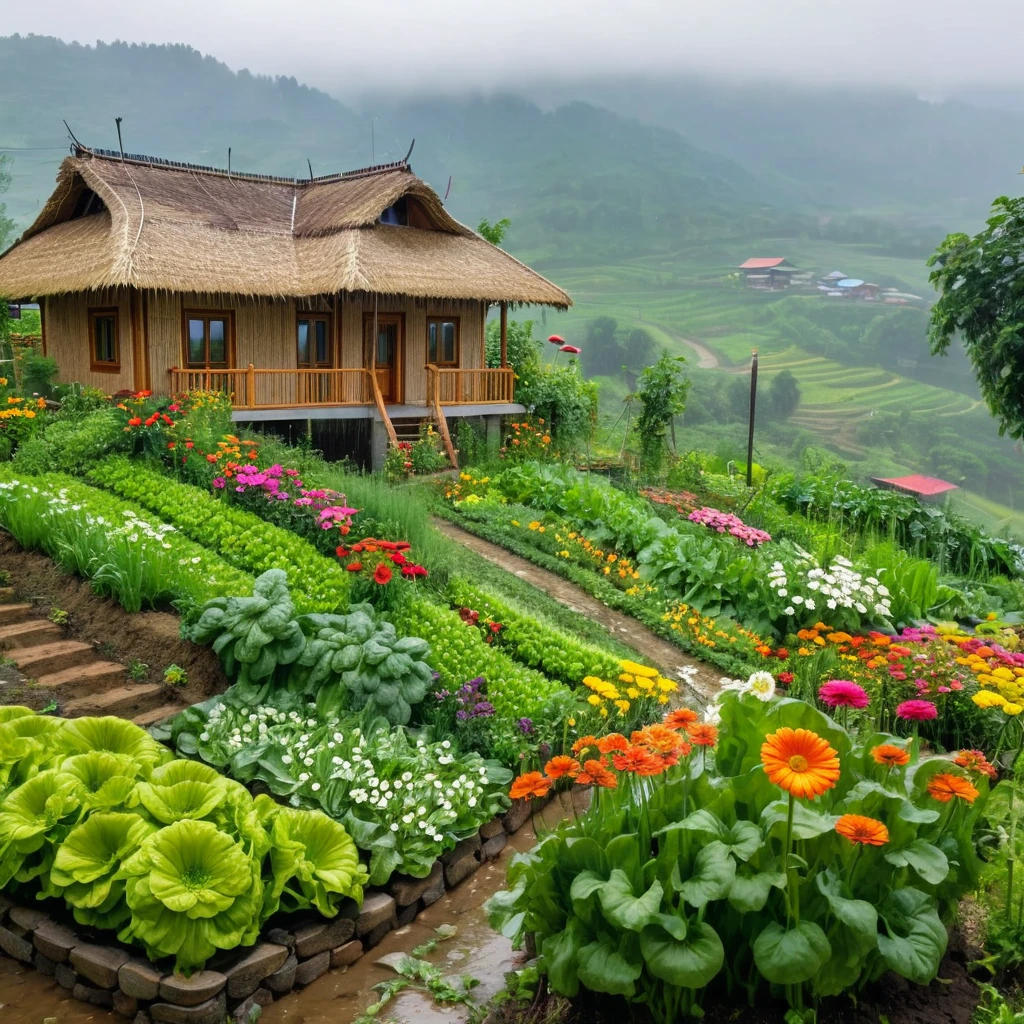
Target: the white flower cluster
pixel 838 586
pixel 419 791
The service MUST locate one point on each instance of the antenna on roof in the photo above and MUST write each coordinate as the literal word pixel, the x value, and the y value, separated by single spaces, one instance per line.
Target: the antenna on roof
pixel 447 190
pixel 72 134
pixel 310 162
pixel 229 161
pixel 120 145
pixel 409 154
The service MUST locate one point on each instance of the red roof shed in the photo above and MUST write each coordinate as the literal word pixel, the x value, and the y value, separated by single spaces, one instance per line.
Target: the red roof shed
pixel 916 484
pixel 764 263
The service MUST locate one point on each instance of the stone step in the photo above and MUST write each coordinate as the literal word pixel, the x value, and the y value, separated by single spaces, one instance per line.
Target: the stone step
pixel 53 657
pixel 160 714
pixel 123 701
pixel 14 613
pixel 82 679
pixel 30 633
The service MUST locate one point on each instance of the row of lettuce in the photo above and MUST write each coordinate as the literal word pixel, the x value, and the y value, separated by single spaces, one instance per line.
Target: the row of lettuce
pixel 383 708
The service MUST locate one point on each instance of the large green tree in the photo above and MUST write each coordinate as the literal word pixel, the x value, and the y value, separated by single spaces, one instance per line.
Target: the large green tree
pixel 980 280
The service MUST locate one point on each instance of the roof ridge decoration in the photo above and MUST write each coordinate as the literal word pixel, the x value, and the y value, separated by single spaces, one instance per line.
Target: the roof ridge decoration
pixel 142 160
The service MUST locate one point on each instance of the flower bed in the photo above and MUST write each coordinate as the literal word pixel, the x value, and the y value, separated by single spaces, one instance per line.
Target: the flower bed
pixel 241 538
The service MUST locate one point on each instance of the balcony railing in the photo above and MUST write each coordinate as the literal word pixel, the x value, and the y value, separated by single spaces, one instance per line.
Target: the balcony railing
pixel 252 388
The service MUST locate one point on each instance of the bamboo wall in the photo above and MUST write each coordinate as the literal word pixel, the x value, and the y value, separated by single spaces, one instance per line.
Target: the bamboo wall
pixel 264 334
pixel 68 340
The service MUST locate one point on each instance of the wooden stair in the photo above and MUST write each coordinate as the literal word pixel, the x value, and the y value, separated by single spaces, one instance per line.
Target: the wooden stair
pixel 82 682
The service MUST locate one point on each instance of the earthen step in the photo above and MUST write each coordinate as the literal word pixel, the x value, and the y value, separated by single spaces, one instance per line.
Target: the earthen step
pixel 14 613
pixel 82 679
pixel 124 701
pixel 53 657
pixel 30 633
pixel 160 714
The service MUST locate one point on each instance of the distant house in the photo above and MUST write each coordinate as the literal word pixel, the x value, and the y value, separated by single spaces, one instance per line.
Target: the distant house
pixel 354 297
pixel 768 273
pixel 854 288
pixel 924 488
pixel 836 275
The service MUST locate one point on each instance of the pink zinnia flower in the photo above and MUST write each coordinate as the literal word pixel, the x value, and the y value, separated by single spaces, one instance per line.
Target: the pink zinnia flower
pixel 574 349
pixel 917 710
pixel 841 693
pixel 556 339
pixel 219 482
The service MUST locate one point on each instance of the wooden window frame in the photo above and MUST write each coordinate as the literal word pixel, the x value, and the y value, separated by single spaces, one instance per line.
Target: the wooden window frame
pixel 104 366
pixel 227 315
pixel 457 320
pixel 315 364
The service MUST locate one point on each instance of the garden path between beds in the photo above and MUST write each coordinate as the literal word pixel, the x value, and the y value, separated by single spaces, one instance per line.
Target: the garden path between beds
pixel 648 645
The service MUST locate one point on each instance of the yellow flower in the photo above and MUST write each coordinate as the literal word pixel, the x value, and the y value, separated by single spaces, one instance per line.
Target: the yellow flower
pixel 1002 673
pixel 632 693
pixel 535 525
pixel 988 699
pixel 540 529
pixel 572 721
pixel 30 414
pixel 592 682
pixel 666 685
pixel 1013 709
pixel 603 712
pixel 3 382
pixel 662 699
pixel 622 705
pixel 594 699
pixel 638 670
pixel 515 522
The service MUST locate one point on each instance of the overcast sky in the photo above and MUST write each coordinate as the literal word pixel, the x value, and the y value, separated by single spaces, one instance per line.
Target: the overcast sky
pixel 347 47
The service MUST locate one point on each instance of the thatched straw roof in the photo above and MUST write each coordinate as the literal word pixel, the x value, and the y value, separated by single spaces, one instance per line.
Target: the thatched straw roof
pixel 177 227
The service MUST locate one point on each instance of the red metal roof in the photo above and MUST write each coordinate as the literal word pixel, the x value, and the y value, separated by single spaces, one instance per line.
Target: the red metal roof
pixel 926 486
pixel 762 262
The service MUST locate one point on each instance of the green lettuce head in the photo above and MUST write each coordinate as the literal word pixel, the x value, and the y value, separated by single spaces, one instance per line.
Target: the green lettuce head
pixel 106 781
pixel 35 818
pixel 114 736
pixel 85 868
pixel 192 890
pixel 314 862
pixel 25 744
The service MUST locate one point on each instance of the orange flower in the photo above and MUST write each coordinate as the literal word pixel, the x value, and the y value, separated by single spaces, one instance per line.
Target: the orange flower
pixel 613 741
pixel 702 734
pixel 890 754
pixel 584 743
pixel 211 458
pixel 660 739
pixel 562 765
pixel 529 785
pixel 859 829
pixel 636 759
pixel 945 786
pixel 596 774
pixel 975 760
pixel 679 718
pixel 800 762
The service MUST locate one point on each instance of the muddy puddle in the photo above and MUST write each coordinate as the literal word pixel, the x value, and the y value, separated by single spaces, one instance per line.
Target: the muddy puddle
pixel 26 997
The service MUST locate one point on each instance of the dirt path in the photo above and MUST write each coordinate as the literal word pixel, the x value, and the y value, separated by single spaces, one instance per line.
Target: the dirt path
pixel 649 646
pixel 706 359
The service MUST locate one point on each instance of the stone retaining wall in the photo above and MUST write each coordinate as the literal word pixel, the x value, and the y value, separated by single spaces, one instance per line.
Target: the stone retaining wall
pixel 119 978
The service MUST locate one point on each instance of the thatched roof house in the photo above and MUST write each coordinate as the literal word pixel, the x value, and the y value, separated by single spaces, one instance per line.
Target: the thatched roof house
pixel 166 276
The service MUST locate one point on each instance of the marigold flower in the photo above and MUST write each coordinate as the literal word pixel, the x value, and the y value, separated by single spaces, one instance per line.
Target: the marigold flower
pixel 562 765
pixel 945 786
pixel 917 710
pixel 800 762
pixel 975 760
pixel 863 830
pixel 841 693
pixel 354 566
pixel 211 458
pixel 532 784
pixel 890 754
pixel 702 734
pixel 596 774
pixel 612 742
pixel 637 759
pixel 585 743
pixel 680 718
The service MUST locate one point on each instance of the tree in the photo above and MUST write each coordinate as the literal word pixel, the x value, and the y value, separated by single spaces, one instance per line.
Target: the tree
pixel 783 395
pixel 662 395
pixel 640 349
pixel 603 353
pixel 494 233
pixel 981 286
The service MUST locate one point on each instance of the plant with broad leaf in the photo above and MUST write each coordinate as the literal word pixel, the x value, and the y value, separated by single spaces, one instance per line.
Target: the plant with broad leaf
pixel 817 861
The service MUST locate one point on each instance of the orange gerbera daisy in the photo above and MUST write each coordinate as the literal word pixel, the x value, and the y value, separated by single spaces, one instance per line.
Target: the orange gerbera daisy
pixel 945 786
pixel 529 785
pixel 679 718
pixel 613 741
pixel 890 754
pixel 584 743
pixel 702 734
pixel 561 765
pixel 860 829
pixel 637 759
pixel 660 739
pixel 800 762
pixel 976 761
pixel 596 774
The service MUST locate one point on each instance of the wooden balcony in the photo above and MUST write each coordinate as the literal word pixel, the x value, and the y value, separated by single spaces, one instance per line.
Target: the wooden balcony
pixel 252 388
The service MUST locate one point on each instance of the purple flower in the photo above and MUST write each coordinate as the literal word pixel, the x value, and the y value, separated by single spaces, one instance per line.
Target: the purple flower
pixel 484 709
pixel 219 482
pixel 525 726
pixel 462 715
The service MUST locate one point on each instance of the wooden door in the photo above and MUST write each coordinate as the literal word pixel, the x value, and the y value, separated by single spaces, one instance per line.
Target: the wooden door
pixel 385 351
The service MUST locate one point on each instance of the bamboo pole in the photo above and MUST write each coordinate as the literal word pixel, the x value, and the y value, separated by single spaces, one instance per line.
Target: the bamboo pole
pixel 750 428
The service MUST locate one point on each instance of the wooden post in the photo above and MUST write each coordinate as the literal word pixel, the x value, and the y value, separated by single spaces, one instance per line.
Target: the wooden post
pixel 750 430
pixel 250 386
pixel 504 335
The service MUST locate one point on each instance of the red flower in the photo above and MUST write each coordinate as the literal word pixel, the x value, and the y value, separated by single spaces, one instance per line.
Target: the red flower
pixel 556 339
pixel 152 419
pixel 785 678
pixel 354 566
pixel 170 446
pixel 341 552
pixel 167 419
pixel 190 444
pixel 398 559
pixel 495 627
pixel 211 458
pixel 253 454
pixel 345 530
pixel 135 422
pixel 382 574
pixel 174 408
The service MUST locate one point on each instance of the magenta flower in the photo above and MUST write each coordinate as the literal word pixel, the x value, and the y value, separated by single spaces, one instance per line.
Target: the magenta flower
pixel 917 711
pixel 573 349
pixel 841 693
pixel 219 482
pixel 556 339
